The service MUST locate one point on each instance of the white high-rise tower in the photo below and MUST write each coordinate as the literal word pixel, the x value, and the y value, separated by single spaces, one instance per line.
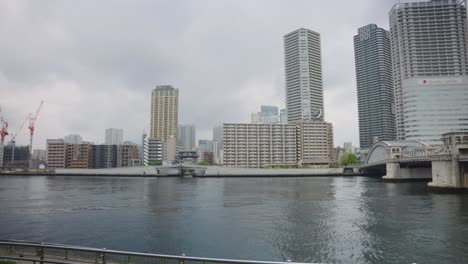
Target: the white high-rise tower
pixel 303 67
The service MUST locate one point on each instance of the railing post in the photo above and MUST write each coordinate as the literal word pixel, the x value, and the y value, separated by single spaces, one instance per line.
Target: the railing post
pixel 129 259
pixel 97 257
pixel 181 261
pixel 66 254
pixel 104 256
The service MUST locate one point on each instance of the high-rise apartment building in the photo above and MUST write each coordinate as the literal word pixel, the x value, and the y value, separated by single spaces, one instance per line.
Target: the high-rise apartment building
pixel 374 85
pixel 304 85
pixel 164 112
pixel 186 136
pixel 315 140
pixel 114 136
pixel 428 41
pixel 258 145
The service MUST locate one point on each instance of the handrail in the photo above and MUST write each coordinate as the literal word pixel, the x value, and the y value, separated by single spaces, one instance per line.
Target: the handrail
pixel 127 253
pixel 34 260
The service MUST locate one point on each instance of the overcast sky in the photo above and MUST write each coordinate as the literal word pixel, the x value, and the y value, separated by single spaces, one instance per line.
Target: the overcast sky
pixel 94 63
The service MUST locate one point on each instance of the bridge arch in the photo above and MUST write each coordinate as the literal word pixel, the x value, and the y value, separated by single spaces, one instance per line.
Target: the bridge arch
pixel 385 150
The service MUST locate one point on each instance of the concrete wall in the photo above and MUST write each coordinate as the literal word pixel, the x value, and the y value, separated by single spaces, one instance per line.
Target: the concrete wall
pixel 416 173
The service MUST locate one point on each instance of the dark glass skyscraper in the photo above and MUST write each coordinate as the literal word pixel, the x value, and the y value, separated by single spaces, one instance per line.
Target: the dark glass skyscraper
pixel 374 85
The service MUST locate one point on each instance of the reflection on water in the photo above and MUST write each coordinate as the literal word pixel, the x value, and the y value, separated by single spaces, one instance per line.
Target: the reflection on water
pixel 331 220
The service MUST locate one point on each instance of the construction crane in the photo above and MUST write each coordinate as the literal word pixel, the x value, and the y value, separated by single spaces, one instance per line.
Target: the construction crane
pixel 13 137
pixel 3 129
pixel 32 122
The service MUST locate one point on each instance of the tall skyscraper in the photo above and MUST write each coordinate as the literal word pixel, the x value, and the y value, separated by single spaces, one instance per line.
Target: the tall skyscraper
pixel 429 41
pixel 374 85
pixel 114 136
pixel 303 66
pixel 164 112
pixel 186 136
pixel 268 115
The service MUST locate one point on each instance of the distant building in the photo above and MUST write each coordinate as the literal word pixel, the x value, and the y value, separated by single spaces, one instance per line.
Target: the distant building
pixel 258 145
pixel 114 136
pixel 56 154
pixel 208 157
pixel 79 156
pixel 170 149
pixel 255 118
pixel 187 137
pixel 164 112
pixel 218 144
pixel 428 42
pixel 268 115
pixel 104 156
pixel 205 145
pixel 1 154
pixel 348 146
pixel 374 85
pixel 16 156
pixel 73 139
pixel 304 84
pixel 315 143
pixel 39 155
pixel 153 151
pixel 127 155
pixel 338 153
pixel 283 117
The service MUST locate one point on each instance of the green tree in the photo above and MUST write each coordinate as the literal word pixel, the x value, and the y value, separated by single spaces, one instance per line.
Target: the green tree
pixel 204 163
pixel 155 163
pixel 348 159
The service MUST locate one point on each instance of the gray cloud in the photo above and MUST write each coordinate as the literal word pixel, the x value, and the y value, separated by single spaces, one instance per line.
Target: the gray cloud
pixel 95 63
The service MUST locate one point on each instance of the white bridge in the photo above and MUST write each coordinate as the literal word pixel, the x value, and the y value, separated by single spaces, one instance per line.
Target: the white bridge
pixel 446 164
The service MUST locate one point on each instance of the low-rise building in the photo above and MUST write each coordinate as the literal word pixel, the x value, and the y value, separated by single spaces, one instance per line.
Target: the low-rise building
pixel 315 143
pixel 259 145
pixel 56 154
pixel 104 156
pixel 16 156
pixel 79 156
pixel 152 151
pixel 127 155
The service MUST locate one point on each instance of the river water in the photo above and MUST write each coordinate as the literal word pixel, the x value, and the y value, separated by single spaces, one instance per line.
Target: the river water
pixel 330 219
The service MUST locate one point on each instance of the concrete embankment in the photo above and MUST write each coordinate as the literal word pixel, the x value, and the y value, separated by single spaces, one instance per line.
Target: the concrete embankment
pixel 245 172
pixel 212 172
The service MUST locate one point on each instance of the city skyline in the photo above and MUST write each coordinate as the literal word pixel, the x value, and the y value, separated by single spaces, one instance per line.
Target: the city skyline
pixel 72 97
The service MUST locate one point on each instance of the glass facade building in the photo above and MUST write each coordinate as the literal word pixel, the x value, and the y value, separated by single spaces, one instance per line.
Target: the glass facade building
pixel 434 106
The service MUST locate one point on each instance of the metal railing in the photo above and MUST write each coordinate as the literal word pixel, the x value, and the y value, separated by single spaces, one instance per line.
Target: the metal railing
pixel 40 253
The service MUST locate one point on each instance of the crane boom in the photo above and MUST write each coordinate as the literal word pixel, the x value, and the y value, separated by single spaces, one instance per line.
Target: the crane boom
pixel 13 136
pixel 32 123
pixel 3 128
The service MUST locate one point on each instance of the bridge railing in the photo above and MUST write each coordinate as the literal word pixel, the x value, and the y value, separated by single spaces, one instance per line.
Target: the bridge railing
pixel 20 252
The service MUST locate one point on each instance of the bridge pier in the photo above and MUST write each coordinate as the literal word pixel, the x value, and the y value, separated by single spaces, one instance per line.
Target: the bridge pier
pixel 450 170
pixel 447 174
pixel 397 171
